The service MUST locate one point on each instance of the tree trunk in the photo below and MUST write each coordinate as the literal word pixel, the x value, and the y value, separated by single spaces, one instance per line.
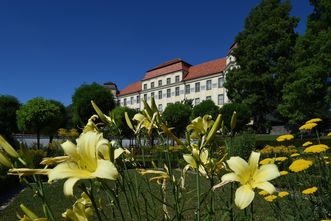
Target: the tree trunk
pixel 38 139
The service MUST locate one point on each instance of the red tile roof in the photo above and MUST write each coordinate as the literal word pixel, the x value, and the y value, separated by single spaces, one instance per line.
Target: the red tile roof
pixel 132 88
pixel 167 67
pixel 205 69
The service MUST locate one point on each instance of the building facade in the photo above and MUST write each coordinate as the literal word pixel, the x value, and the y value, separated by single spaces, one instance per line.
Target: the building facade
pixel 177 80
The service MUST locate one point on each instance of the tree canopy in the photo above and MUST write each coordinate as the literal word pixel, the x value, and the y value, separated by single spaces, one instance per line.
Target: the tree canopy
pixel 122 130
pixel 264 52
pixel 205 107
pixel 177 116
pixel 243 115
pixel 308 95
pixel 8 107
pixel 82 108
pixel 39 116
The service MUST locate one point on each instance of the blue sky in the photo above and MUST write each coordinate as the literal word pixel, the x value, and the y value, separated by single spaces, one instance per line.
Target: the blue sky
pixel 49 48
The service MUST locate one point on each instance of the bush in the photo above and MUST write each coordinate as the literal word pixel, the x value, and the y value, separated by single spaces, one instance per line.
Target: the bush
pixel 241 145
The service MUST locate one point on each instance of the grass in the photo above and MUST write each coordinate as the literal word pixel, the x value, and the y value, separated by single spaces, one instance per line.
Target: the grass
pixel 145 198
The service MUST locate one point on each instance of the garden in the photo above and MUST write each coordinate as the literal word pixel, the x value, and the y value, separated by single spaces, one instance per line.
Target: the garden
pixel 212 174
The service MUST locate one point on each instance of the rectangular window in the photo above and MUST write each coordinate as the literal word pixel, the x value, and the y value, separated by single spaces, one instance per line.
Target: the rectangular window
pixel 131 100
pixel 208 98
pixel 187 89
pixel 168 81
pixel 220 82
pixel 124 102
pixel 177 79
pixel 160 108
pixel 168 93
pixel 152 85
pixel 160 83
pixel 196 101
pixel 145 97
pixel 220 99
pixel 160 94
pixel 177 91
pixel 208 85
pixel 197 87
pixel 145 86
pixel 152 94
pixel 138 99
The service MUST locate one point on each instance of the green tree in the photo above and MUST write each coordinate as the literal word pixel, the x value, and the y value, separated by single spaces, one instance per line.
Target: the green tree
pixel 205 107
pixel 8 107
pixel 177 116
pixel 243 115
pixel 82 108
pixel 308 95
pixel 37 115
pixel 264 52
pixel 122 129
pixel 58 121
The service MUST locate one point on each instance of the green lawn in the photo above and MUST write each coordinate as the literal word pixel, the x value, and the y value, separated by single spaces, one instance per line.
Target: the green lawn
pixel 145 199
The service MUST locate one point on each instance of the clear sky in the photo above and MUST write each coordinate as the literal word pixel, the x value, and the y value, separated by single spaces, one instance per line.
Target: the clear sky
pixel 49 48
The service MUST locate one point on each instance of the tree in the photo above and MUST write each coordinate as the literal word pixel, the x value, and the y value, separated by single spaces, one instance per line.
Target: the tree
pixel 58 121
pixel 243 115
pixel 177 116
pixel 82 108
pixel 37 115
pixel 118 114
pixel 308 95
pixel 205 107
pixel 263 54
pixel 8 107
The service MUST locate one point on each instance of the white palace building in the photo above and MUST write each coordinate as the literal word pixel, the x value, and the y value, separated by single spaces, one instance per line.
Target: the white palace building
pixel 177 80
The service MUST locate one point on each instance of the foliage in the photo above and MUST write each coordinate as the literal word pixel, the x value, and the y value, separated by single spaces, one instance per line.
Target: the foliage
pixel 308 95
pixel 243 115
pixel 8 107
pixel 58 121
pixel 39 116
pixel 264 52
pixel 122 129
pixel 177 117
pixel 205 107
pixel 241 145
pixel 81 102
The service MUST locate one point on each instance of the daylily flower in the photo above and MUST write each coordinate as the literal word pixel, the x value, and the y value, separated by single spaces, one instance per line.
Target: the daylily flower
pixel 250 177
pixel 200 125
pixel 198 157
pixel 81 210
pixel 84 162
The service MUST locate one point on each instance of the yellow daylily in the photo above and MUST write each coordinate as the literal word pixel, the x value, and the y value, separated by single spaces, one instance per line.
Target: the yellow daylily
pixel 200 125
pixel 81 210
pixel 198 157
pixel 84 162
pixel 250 177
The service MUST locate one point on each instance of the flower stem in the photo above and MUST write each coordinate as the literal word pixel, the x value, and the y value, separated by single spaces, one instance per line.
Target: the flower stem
pixel 198 192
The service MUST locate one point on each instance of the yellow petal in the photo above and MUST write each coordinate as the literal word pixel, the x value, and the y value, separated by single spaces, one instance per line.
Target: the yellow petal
pixel 8 148
pixel 230 177
pixel 118 152
pixel 204 155
pixel 265 186
pixel 244 196
pixel 253 161
pixel 68 187
pixel 138 117
pixel 266 172
pixel 4 160
pixel 67 170
pixel 190 160
pixel 237 164
pixel 86 148
pixel 106 170
pixel 70 149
